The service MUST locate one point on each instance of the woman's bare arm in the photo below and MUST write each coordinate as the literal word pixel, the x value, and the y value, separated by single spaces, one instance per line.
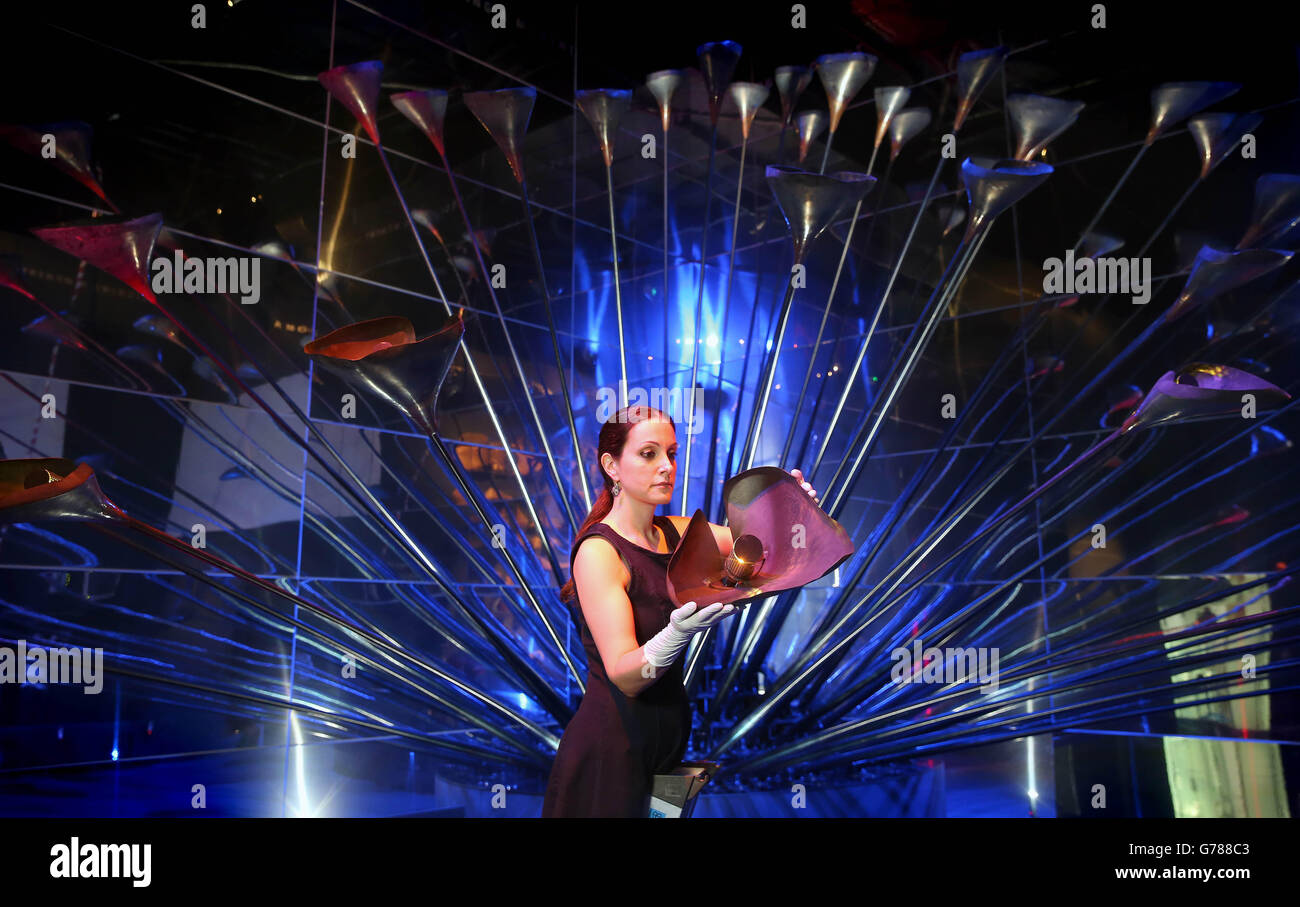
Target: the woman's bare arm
pixel 601 578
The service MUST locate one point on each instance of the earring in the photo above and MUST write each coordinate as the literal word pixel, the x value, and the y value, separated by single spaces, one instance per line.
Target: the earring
pixel 618 486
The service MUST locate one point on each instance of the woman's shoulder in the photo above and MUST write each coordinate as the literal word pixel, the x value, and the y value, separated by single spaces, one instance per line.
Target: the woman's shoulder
pixel 601 551
pixel 679 522
pixel 597 530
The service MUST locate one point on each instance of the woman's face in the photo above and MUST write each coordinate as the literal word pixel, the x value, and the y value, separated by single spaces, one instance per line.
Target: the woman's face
pixel 648 467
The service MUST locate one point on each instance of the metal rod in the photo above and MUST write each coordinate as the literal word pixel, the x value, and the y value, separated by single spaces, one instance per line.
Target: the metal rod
pixel 803 666
pixel 699 310
pixel 862 348
pixel 560 488
pixel 373 639
pixel 555 344
pixel 667 300
pixel 618 289
pixel 1111 197
pixel 764 627
pixel 454 468
pixel 715 433
pixel 923 548
pixel 821 329
pixel 826 151
pixel 866 437
pixel 826 311
pixel 767 378
pixel 474 374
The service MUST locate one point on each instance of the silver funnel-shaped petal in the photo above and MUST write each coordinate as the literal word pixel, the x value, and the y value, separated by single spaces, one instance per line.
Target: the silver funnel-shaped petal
pixel 906 125
pixel 209 371
pixel 974 70
pixel 810 123
pixel 51 488
pixel 149 357
pixel 811 201
pixel 748 97
pixel 791 82
pixel 718 61
pixel 843 76
pixel 505 115
pixel 1217 135
pixel 889 101
pixel 383 356
pixel 1037 119
pixel 356 87
pixel 123 249
pixel 994 185
pixel 159 327
pixel 1216 272
pixel 71 149
pixel 663 85
pixel 11 275
pixel 273 248
pixel 604 109
pixel 427 110
pixel 64 330
pixel 1277 209
pixel 1174 102
pixel 424 217
pixel 1201 389
pixel 1095 245
pixel 950 217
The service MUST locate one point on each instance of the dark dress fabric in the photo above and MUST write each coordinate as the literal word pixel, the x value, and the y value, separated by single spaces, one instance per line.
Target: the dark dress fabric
pixel 614 744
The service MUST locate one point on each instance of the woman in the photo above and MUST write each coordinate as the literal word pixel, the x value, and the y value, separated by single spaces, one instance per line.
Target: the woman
pixel 635 719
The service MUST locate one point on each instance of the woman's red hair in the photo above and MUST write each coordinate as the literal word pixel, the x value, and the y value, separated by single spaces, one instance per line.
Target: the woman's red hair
pixel 613 437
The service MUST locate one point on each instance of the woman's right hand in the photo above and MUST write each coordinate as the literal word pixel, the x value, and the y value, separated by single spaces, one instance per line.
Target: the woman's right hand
pixel 689 620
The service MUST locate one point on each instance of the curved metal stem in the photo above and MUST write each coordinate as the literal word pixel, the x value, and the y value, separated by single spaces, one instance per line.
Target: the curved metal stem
pixel 454 468
pixel 716 431
pixel 1111 197
pixel 884 299
pixel 768 376
pixel 560 489
pixel 555 345
pixel 618 289
pixel 699 314
pixel 373 639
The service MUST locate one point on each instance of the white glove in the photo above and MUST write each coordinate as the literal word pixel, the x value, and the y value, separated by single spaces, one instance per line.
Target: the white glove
pixel 663 649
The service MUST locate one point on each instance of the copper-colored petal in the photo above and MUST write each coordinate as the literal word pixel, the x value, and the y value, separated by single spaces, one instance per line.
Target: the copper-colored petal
pixel 383 356
pixel 50 488
pixel 801 543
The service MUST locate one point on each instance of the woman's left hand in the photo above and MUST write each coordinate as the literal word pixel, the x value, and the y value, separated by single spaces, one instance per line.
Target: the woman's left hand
pixel 812 492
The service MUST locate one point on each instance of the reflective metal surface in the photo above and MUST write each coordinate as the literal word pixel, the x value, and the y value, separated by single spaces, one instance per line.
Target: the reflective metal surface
pixel 320 537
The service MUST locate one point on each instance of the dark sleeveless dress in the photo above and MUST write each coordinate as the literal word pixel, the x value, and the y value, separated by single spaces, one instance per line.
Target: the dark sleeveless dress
pixel 614 744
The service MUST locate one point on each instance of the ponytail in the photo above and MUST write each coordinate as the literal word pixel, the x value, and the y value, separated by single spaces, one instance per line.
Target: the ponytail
pixel 599 510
